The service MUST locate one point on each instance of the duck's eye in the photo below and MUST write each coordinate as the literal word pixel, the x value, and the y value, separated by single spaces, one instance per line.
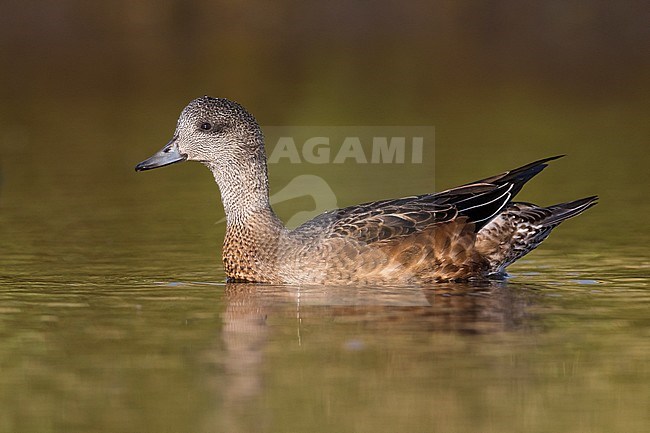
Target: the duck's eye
pixel 206 126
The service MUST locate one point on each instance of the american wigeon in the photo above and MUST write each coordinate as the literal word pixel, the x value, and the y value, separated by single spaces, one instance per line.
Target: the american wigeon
pixel 472 231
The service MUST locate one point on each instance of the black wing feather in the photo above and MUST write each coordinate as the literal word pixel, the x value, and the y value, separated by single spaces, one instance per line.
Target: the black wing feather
pixel 479 202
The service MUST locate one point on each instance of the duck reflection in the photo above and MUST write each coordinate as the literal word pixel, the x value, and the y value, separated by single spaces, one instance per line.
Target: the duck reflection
pixel 492 306
pixel 264 322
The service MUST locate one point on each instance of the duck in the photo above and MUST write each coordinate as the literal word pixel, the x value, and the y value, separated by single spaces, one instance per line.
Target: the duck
pixel 471 232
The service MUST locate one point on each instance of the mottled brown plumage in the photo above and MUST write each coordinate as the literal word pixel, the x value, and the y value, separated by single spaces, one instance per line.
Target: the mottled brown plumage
pixel 468 232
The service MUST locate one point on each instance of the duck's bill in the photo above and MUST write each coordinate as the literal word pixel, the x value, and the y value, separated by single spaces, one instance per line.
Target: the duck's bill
pixel 167 155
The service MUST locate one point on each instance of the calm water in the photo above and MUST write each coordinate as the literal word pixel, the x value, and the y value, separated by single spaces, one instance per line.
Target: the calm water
pixel 114 315
pixel 113 312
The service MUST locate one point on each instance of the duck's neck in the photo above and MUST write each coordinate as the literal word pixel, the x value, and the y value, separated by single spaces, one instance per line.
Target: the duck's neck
pixel 245 194
pixel 253 232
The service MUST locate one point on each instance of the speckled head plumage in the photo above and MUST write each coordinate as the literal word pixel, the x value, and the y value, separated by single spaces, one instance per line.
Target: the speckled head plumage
pixel 226 138
pixel 209 128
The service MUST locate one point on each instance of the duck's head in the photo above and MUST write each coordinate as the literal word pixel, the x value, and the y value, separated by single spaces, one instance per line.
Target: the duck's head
pixel 215 131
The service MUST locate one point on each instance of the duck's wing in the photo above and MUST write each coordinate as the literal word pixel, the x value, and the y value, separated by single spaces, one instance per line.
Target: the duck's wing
pixel 474 204
pixel 391 219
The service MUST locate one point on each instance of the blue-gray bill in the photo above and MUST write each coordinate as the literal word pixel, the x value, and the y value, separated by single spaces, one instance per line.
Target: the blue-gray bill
pixel 165 156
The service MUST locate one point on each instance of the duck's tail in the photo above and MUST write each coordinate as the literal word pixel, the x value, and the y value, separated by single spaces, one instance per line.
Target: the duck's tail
pixel 521 227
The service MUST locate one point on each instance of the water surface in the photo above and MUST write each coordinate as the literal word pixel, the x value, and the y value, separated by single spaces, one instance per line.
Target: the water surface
pixel 114 317
pixel 114 314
